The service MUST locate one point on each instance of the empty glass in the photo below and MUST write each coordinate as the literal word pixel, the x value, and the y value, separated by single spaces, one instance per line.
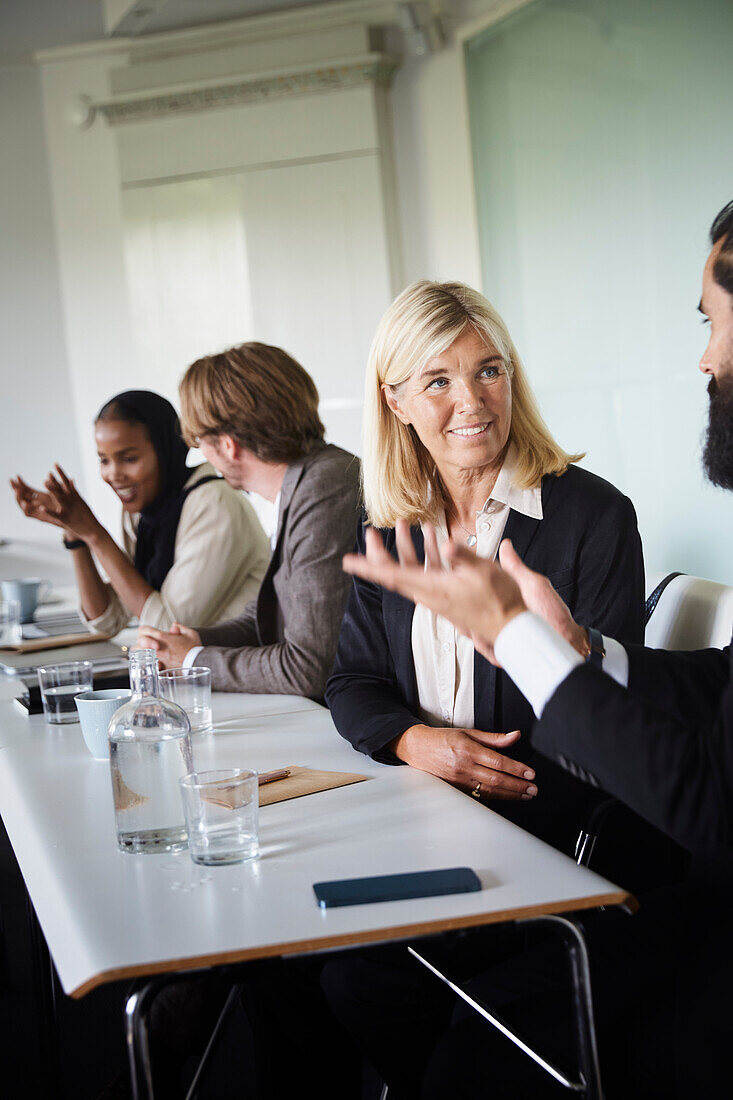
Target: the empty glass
pixel 60 685
pixel 190 688
pixel 10 628
pixel 221 809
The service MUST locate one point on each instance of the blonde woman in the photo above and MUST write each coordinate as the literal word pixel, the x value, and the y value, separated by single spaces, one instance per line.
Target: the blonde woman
pixel 453 438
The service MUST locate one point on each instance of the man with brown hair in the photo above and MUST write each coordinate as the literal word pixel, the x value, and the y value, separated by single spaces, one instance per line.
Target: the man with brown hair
pixel 253 412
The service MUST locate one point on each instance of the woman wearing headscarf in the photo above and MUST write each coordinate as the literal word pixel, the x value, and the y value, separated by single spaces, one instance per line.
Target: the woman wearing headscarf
pixel 192 547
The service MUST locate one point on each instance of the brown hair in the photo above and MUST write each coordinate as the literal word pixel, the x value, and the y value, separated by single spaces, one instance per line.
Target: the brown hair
pixel 257 394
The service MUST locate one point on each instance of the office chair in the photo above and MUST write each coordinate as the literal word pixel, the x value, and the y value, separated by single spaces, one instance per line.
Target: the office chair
pixel 686 612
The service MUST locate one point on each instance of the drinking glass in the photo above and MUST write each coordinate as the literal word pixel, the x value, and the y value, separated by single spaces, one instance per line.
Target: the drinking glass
pixel 221 809
pixel 191 689
pixel 10 628
pixel 60 685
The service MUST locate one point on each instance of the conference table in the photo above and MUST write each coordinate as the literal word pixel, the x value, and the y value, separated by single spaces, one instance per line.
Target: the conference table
pixel 108 915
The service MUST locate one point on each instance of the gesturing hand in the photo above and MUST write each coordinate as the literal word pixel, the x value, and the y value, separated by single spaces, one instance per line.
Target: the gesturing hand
pixel 478 596
pixel 59 503
pixel 171 646
pixel 33 502
pixel 467 758
pixel 69 507
pixel 540 597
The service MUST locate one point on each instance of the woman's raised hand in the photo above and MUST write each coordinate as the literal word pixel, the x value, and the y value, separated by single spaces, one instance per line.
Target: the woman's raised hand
pixel 34 503
pixel 68 507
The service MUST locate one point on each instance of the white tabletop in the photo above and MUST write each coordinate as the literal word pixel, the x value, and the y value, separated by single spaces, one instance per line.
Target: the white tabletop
pixel 108 915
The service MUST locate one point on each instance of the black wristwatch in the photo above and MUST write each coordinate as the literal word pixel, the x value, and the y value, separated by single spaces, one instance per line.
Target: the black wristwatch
pixel 597 650
pixel 73 544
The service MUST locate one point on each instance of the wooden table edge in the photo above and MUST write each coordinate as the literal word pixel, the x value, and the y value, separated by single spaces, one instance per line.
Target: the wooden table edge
pixel 350 939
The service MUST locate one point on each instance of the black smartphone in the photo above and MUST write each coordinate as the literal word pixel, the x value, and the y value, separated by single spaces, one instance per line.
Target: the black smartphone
pixel 414 884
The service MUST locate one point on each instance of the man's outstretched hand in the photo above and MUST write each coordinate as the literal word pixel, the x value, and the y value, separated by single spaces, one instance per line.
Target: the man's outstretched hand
pixel 478 596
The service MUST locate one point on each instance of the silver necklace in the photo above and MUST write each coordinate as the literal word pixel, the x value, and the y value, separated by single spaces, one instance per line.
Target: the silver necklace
pixel 471 540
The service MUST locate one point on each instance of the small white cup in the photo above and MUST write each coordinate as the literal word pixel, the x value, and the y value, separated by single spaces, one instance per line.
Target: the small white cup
pixel 95 711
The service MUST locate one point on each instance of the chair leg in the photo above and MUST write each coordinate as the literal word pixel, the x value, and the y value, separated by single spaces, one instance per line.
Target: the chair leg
pixel 589 1077
pixel 587 837
pixel 584 846
pixel 585 1031
pixel 137 1007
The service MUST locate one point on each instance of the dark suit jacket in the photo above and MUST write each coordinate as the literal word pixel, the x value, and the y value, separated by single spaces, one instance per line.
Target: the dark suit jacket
pixel 588 544
pixel 665 747
pixel 285 640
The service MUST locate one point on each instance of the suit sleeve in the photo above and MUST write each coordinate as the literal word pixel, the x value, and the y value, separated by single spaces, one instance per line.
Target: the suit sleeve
pixel 687 685
pixel 675 773
pixel 311 593
pixel 241 631
pixel 366 702
pixel 609 573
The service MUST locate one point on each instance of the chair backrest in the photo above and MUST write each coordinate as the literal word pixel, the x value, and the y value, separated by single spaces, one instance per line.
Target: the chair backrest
pixel 691 613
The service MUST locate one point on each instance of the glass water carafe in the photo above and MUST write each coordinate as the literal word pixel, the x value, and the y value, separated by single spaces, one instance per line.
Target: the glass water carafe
pixel 150 749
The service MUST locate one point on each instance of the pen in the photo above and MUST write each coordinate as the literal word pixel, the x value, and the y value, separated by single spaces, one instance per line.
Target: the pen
pixel 269 777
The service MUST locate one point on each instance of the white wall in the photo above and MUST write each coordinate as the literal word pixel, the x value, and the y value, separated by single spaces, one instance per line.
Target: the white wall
pixel 35 391
pixel 433 168
pixel 84 176
pixel 307 169
pixel 602 151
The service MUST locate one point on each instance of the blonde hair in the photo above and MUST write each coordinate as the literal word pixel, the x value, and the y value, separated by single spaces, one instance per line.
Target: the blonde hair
pixel 399 476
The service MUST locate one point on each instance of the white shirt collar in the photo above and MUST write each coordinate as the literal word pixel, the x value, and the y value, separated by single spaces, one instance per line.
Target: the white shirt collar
pixel 275 520
pixel 506 491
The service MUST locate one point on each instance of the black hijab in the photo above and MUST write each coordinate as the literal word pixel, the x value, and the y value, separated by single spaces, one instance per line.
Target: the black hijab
pixel 156 533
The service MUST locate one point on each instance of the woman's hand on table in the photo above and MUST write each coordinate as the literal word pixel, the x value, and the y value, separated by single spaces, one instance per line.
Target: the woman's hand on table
pixel 467 758
pixel 171 646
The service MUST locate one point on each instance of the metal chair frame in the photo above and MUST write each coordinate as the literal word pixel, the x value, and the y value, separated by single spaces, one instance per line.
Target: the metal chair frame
pixel 588 1081
pixel 137 1010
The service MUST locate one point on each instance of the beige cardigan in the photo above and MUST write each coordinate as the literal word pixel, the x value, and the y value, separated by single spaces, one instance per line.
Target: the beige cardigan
pixel 221 556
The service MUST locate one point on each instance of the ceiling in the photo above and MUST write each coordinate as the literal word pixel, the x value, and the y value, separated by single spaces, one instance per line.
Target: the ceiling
pixel 28 25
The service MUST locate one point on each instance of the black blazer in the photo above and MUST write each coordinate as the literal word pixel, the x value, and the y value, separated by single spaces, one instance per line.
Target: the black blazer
pixel 588 544
pixel 665 748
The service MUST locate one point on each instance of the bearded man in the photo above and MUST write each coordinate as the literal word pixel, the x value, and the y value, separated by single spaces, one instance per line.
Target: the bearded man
pixel 653 728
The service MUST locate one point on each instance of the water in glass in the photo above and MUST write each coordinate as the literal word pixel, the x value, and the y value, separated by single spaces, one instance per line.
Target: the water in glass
pixel 59 704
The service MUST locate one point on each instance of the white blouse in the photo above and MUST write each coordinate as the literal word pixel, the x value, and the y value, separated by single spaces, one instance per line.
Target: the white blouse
pixel 221 555
pixel 442 657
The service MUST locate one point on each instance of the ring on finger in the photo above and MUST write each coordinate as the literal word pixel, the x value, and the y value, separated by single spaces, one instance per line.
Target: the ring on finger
pixel 476 792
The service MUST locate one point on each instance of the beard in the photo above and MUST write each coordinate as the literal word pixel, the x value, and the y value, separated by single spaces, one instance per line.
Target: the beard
pixel 717 455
